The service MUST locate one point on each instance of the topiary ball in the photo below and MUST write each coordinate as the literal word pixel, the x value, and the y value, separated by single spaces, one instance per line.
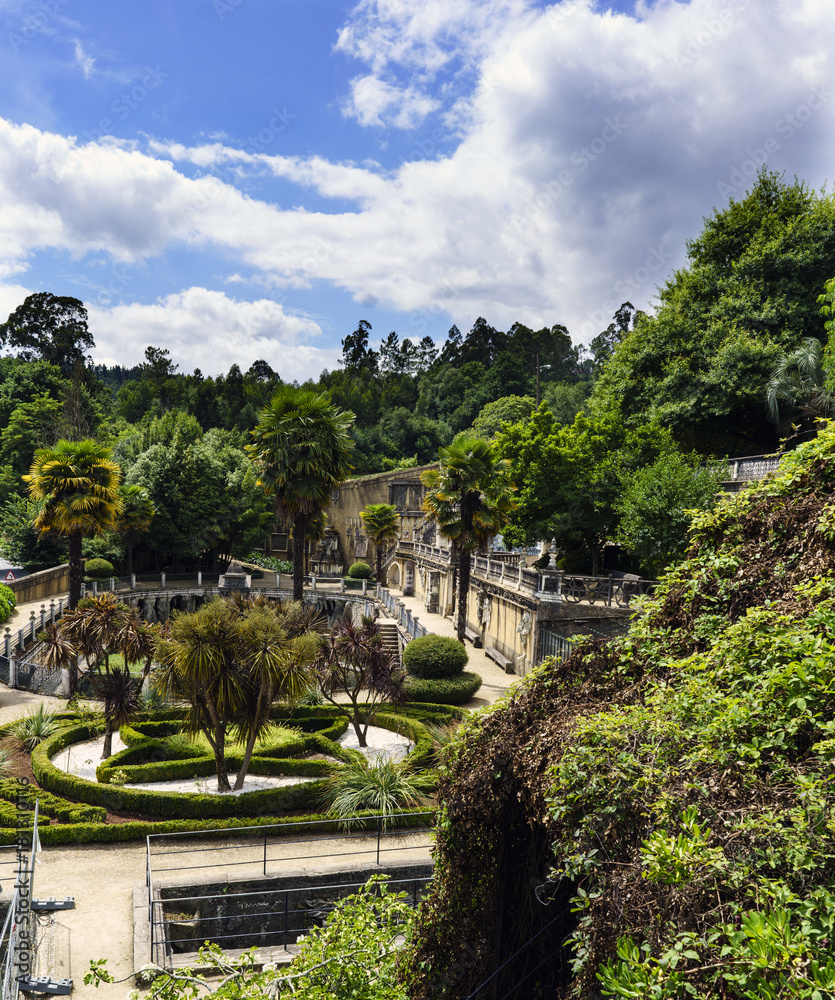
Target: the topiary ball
pixel 360 571
pixel 98 569
pixel 435 656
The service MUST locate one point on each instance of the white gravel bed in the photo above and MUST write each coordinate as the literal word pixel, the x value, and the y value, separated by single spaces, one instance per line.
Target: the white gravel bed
pixel 82 759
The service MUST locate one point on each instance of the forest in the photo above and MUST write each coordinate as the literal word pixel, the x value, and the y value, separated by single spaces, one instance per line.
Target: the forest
pixel 613 442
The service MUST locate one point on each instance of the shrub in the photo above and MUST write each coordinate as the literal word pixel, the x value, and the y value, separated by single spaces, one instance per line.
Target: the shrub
pixel 8 602
pixel 34 727
pixel 435 656
pixel 443 690
pixel 269 562
pixel 360 571
pixel 98 569
pixel 383 786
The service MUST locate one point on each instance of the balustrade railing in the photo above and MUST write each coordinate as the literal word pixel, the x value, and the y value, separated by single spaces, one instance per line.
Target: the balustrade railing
pixel 410 626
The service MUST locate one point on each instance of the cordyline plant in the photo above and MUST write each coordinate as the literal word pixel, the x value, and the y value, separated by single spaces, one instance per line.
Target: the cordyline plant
pixel 99 628
pixel 354 662
pixel 229 661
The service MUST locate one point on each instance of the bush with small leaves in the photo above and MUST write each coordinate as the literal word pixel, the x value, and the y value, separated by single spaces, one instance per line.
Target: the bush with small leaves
pixel 8 602
pixel 98 569
pixel 443 690
pixel 360 571
pixel 435 656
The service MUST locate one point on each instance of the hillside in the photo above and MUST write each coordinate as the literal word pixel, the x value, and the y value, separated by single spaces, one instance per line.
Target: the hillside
pixel 661 808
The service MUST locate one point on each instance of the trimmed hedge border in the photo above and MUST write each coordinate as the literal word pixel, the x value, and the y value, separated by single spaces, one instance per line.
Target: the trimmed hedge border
pixel 182 805
pixel 104 833
pixel 444 691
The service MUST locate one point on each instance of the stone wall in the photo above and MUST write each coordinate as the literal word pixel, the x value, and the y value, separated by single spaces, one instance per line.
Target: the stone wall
pixel 43 585
pixel 402 488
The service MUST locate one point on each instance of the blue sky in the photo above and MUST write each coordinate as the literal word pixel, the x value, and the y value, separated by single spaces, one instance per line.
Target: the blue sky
pixel 235 179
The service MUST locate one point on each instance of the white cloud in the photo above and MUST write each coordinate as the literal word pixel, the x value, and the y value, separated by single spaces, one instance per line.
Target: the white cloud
pixel 208 330
pixel 85 62
pixel 593 145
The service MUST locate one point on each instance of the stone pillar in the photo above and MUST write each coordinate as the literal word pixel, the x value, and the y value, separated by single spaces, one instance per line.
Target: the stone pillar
pixel 43 617
pixel 7 640
pixel 364 587
pixel 12 671
pixel 199 578
pixel 162 580
pixel 133 581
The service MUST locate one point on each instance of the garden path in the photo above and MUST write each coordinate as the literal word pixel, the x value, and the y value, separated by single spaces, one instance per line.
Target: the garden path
pixel 102 878
pixel 495 682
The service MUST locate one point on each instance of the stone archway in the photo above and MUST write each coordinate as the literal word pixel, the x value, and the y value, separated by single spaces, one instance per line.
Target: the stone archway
pixel 393 575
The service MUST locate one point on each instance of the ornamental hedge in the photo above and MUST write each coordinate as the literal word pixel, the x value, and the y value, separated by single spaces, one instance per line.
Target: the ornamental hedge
pixel 443 690
pixel 360 571
pixel 435 656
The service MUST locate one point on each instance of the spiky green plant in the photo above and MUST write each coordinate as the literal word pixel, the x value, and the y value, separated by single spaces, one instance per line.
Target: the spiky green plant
pixel 34 727
pixel 377 784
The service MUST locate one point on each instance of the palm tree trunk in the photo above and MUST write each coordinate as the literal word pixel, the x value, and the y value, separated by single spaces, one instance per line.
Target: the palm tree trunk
pixel 463 593
pixel 129 540
pixel 75 569
pixel 220 759
pixel 107 749
pixel 379 548
pixel 299 529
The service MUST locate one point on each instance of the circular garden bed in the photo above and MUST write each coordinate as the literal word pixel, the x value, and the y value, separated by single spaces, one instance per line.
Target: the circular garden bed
pixel 302 745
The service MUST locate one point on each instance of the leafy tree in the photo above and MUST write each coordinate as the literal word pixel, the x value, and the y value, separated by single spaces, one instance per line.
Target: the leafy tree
pixel 20 541
pixel 78 483
pixel 32 425
pixel 355 663
pixel 747 296
pixel 572 477
pixel 507 409
pixel 228 661
pixel 381 521
pixel 49 328
pixel 137 514
pixel 356 354
pixel 565 400
pixel 656 505
pixel 603 346
pixel 470 499
pixel 302 450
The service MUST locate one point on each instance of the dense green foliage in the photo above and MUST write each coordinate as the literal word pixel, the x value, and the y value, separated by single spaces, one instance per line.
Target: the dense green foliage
pixel 747 296
pixel 434 656
pixel 98 569
pixel 668 794
pixel 456 690
pixel 360 571
pixel 8 602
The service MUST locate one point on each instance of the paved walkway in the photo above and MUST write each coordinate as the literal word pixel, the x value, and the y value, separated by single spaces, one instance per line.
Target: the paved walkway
pixel 103 878
pixel 495 682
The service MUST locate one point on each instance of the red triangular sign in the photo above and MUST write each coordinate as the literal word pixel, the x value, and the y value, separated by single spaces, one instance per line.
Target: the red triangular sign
pixel 10 575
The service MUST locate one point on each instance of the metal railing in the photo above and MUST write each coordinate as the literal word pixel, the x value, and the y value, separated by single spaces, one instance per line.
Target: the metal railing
pixel 26 634
pixel 256 854
pixel 409 624
pixel 608 590
pixel 283 916
pixel 551 644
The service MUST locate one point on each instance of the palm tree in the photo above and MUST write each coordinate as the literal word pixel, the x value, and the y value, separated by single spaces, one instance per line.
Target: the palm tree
pixel 469 498
pixel 381 523
pixel 137 514
pixel 79 484
pixel 303 450
pixel 354 662
pixel 228 661
pixel 798 380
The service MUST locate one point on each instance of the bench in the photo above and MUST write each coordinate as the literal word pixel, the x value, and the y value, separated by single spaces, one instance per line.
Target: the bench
pixel 504 662
pixel 473 636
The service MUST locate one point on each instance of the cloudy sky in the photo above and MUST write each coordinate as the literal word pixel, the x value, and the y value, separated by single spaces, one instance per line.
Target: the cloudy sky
pixel 242 179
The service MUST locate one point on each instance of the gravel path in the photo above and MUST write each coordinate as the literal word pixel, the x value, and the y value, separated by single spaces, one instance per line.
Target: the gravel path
pixel 82 759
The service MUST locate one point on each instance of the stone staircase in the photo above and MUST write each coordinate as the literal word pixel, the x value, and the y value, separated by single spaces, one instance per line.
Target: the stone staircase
pixel 391 637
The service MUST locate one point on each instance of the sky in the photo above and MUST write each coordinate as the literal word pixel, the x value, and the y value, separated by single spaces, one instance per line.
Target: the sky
pixel 243 179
